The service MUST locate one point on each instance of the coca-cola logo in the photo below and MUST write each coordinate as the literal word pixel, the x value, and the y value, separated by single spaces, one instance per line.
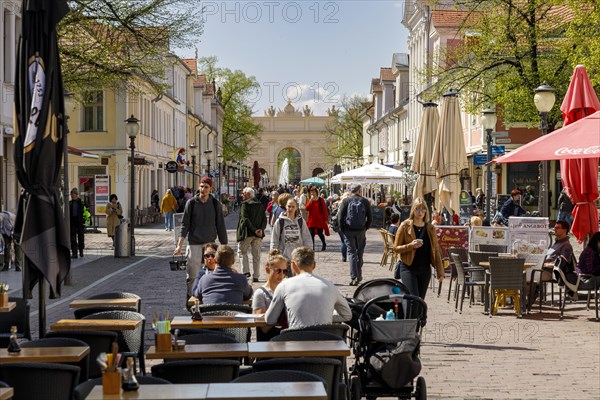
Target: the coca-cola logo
pixel 577 150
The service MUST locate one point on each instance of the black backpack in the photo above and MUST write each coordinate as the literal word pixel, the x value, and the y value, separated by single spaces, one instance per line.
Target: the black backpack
pixel 356 213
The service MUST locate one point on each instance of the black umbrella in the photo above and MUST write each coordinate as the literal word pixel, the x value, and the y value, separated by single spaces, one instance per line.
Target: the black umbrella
pixel 40 129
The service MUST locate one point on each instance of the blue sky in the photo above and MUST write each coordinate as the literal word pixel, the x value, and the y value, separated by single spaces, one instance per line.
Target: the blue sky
pixel 312 52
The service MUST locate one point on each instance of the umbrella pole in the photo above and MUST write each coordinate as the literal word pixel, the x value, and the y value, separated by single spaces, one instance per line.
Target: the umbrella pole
pixel 42 308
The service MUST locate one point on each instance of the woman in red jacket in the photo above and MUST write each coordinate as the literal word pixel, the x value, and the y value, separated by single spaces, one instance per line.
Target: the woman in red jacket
pixel 317 217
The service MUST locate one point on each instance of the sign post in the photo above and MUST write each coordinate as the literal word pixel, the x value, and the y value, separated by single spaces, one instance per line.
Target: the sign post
pixel 101 193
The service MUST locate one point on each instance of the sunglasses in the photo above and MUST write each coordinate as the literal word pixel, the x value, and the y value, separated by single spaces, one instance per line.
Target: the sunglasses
pixel 279 271
pixel 209 255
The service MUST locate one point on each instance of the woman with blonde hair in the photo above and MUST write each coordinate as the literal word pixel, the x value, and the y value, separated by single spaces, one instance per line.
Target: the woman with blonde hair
pixel 276 269
pixel 290 231
pixel 416 243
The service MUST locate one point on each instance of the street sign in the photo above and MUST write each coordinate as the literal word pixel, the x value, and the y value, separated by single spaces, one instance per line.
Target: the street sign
pixel 502 140
pixel 498 150
pixel 500 134
pixel 171 167
pixel 479 159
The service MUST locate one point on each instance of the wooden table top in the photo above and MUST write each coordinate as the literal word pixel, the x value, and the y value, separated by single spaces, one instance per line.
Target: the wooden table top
pixel 95 324
pixel 156 392
pixel 82 303
pixel 6 393
pixel 8 307
pixel 316 348
pixel 216 350
pixel 45 354
pixel 486 264
pixel 218 321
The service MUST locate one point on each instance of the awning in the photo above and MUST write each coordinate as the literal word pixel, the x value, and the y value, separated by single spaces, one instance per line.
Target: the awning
pixel 82 153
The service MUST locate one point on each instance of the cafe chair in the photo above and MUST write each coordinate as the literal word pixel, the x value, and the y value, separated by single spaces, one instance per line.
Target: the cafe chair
pixel 98 341
pixel 492 248
pixel 243 335
pixel 465 280
pixel 569 289
pixel 506 279
pixel 64 342
pixel 18 317
pixel 192 331
pixel 464 257
pixel 238 308
pixel 388 248
pixel 40 381
pixel 4 385
pixel 84 389
pixel 198 371
pixel 131 342
pixel 340 330
pixel 209 337
pixel 82 312
pixel 327 368
pixel 118 295
pixel 304 335
pixel 279 375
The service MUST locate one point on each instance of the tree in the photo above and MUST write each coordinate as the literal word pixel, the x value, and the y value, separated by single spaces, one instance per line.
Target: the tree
pixel 506 49
pixel 347 129
pixel 106 42
pixel 581 46
pixel 239 130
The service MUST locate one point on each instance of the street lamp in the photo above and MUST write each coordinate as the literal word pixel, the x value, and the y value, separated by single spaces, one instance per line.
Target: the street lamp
pixel 488 120
pixel 220 162
pixel 544 99
pixel 193 147
pixel 406 149
pixel 132 127
pixel 371 157
pixel 381 155
pixel 207 154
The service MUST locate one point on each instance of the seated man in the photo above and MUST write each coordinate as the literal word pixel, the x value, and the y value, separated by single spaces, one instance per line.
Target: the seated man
pixel 308 299
pixel 223 285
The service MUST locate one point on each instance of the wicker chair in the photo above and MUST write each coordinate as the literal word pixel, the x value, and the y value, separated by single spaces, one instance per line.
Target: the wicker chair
pixel 581 284
pixel 79 313
pixel 386 247
pixel 198 371
pixel 98 341
pixel 83 389
pixel 279 375
pixel 18 317
pixel 464 280
pixel 119 295
pixel 243 335
pixel 506 280
pixel 64 342
pixel 40 380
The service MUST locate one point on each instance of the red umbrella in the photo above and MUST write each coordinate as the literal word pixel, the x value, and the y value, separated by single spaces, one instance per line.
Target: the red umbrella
pixel 256 174
pixel 580 176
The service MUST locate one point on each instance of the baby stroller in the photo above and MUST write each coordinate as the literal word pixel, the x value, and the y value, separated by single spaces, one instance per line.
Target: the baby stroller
pixel 386 352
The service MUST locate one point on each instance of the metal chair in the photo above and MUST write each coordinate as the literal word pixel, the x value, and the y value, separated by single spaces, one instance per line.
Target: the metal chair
pixel 493 248
pixel 18 317
pixel 98 341
pixel 118 295
pixel 79 313
pixel 131 342
pixel 83 389
pixel 506 280
pixel 64 342
pixel 464 280
pixel 581 284
pixel 40 381
pixel 464 257
pixel 197 371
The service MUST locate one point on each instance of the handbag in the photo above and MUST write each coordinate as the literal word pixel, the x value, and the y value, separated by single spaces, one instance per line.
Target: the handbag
pixel 178 263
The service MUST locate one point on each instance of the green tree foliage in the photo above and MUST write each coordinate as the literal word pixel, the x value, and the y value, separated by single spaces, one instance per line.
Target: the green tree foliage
pixel 347 129
pixel 505 50
pixel 240 133
pixel 582 42
pixel 103 43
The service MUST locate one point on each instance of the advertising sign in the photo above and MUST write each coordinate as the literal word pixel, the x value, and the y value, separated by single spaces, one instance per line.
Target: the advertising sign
pixel 101 193
pixel 487 235
pixel 528 234
pixel 452 236
pixel 466 208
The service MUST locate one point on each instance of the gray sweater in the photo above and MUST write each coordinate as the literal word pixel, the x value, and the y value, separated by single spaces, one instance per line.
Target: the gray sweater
pixel 200 224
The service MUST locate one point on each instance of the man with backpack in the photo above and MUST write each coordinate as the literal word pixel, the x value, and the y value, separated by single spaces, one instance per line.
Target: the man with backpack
pixel 354 218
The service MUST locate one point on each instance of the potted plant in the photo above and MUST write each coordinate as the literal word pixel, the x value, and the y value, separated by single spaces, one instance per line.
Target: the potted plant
pixel 3 294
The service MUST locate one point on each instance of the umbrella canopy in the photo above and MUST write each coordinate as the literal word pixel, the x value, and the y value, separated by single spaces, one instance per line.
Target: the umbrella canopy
pixel 578 140
pixel 39 134
pixel 316 181
pixel 370 173
pixel 449 155
pixel 580 176
pixel 426 182
pixel 256 174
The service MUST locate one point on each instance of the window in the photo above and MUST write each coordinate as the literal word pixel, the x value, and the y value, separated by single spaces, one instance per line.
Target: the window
pixel 93 111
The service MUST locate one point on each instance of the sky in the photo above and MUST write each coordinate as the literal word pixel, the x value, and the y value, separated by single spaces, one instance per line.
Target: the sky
pixel 311 52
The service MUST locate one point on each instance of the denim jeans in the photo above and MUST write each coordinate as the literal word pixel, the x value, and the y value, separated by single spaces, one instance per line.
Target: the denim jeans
pixel 343 248
pixel 168 220
pixel 356 242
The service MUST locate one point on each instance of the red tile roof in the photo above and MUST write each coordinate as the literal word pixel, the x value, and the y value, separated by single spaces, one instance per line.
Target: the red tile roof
pixel 375 86
pixel 448 18
pixel 191 63
pixel 386 74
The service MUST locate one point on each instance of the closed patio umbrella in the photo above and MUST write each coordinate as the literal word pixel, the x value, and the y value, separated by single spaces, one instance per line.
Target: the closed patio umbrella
pixel 426 182
pixel 370 173
pixel 449 155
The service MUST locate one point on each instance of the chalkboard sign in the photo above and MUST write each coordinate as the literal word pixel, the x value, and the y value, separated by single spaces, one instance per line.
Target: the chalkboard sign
pixel 377 213
pixel 465 214
pixel 404 213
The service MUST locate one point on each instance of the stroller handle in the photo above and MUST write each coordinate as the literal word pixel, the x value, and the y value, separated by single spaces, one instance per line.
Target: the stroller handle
pixel 400 297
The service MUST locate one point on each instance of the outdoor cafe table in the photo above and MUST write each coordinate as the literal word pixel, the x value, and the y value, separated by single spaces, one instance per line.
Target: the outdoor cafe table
pixel 213 350
pixel 82 303
pixel 220 391
pixel 95 324
pixel 6 393
pixel 218 321
pixel 46 354
pixel 527 265
pixel 8 307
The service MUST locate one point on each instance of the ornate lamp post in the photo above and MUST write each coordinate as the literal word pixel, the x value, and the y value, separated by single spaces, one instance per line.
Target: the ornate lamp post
pixel 381 155
pixel 544 99
pixel 488 120
pixel 193 148
pixel 405 150
pixel 132 127
pixel 371 158
pixel 221 174
pixel 207 154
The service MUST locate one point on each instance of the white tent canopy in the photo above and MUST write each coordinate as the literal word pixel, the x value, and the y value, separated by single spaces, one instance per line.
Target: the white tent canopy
pixel 371 173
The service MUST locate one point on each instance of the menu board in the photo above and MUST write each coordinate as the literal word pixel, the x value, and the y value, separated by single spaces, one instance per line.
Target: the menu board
pixel 452 236
pixel 377 213
pixel 497 235
pixel 528 234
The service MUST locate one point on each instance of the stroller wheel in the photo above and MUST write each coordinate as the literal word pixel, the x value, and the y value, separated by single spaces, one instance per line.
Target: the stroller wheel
pixel 421 389
pixel 355 388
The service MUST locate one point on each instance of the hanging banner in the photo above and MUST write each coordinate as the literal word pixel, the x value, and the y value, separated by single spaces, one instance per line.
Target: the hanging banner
pixel 452 236
pixel 101 193
pixel 497 235
pixel 528 234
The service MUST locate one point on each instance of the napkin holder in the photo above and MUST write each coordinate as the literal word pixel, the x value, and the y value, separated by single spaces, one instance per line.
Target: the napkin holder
pixel 111 382
pixel 163 342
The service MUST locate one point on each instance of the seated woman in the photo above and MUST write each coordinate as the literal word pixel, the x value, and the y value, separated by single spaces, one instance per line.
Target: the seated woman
pixel 276 269
pixel 589 263
pixel 394 223
pixel 209 251
pixel 223 285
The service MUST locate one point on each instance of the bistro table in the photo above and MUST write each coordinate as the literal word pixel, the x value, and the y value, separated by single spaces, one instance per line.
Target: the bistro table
pixel 218 321
pixel 46 354
pixel 6 393
pixel 527 265
pixel 8 307
pixel 82 303
pixel 311 348
pixel 213 350
pixel 95 324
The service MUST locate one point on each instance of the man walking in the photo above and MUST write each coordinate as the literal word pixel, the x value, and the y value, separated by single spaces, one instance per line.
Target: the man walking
pixel 354 218
pixel 76 217
pixel 250 231
pixel 202 222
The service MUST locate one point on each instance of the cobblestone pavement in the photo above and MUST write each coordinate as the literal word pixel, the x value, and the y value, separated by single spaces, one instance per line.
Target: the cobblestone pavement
pixel 464 356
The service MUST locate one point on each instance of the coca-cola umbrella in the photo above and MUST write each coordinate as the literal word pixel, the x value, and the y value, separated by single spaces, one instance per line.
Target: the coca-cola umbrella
pixel 580 176
pixel 40 129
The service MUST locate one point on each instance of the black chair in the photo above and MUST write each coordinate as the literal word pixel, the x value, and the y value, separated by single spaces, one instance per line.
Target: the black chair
pixel 506 276
pixel 243 335
pixel 4 385
pixel 18 317
pixel 184 332
pixel 64 342
pixel 131 342
pixel 40 381
pixel 198 371
pixel 85 311
pixel 340 330
pixel 208 337
pixel 98 341
pixel 464 280
pixel 240 308
pixel 462 252
pixel 279 375
pixel 327 368
pixel 83 389
pixel 119 295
